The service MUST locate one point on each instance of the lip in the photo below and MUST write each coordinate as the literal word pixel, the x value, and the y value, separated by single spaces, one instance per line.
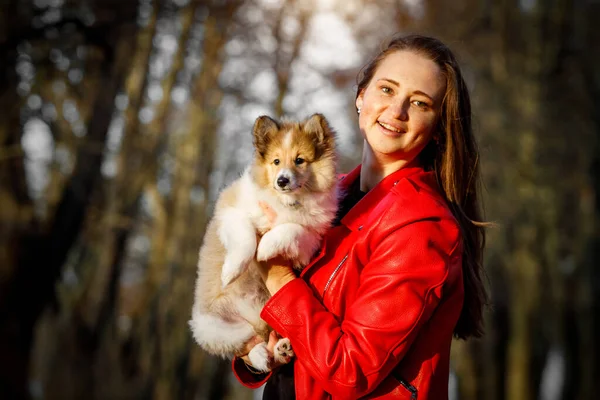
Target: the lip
pixel 287 189
pixel 388 132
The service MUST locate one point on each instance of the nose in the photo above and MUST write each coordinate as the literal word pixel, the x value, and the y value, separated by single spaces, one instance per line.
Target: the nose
pixel 282 181
pixel 400 108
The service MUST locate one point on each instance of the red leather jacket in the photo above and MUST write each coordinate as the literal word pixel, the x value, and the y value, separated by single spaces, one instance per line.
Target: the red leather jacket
pixel 373 314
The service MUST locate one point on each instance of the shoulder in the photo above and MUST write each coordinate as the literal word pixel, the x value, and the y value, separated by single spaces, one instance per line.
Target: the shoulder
pixel 417 196
pixel 416 207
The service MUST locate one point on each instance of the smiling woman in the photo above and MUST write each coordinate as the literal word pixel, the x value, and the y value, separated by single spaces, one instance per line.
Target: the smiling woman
pixel 399 109
pixel 399 274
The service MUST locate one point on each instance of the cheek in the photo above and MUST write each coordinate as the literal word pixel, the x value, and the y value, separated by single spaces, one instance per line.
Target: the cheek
pixel 371 105
pixel 368 115
pixel 361 122
pixel 270 173
pixel 262 176
pixel 424 126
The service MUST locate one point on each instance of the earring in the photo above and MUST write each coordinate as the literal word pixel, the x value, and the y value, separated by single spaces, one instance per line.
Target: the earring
pixel 358 110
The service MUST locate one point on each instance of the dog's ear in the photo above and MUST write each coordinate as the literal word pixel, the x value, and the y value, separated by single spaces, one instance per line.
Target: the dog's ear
pixel 320 132
pixel 264 129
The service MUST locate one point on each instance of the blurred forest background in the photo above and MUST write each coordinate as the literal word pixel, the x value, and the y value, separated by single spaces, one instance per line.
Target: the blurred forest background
pixel 121 119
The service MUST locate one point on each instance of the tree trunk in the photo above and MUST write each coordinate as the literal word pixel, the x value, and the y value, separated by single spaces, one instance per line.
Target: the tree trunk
pixel 42 256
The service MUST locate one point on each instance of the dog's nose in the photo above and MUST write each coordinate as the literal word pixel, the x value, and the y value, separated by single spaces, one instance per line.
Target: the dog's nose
pixel 282 181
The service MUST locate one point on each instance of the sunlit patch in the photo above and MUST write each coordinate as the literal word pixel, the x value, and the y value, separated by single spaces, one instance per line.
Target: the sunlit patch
pixel 38 145
pixel 287 140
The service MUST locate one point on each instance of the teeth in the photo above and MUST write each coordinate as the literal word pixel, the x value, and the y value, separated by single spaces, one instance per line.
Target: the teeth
pixel 389 127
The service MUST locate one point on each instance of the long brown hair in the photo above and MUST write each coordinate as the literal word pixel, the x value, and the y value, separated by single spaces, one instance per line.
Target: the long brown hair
pixel 454 157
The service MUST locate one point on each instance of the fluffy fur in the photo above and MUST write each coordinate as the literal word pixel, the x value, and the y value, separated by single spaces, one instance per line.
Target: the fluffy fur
pixel 294 172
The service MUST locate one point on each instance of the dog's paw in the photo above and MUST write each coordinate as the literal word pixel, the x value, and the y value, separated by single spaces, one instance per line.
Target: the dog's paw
pixel 233 267
pixel 304 256
pixel 260 358
pixel 269 246
pixel 283 352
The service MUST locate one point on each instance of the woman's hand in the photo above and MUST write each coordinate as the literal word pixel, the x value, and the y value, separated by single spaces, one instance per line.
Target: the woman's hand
pixel 277 271
pixel 273 338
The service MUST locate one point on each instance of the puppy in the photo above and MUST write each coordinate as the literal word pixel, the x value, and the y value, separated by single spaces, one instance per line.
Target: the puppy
pixel 294 173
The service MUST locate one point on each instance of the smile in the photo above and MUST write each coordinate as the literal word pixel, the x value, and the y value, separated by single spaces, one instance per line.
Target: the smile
pixel 389 128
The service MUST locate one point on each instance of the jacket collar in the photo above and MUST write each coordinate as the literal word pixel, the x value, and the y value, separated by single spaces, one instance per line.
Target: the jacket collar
pixel 358 214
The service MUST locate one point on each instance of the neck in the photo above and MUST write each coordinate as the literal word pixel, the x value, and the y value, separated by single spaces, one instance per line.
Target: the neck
pixel 316 199
pixel 289 200
pixel 375 167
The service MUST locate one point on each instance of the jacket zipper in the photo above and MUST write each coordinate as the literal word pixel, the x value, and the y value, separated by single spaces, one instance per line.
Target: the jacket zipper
pixel 410 388
pixel 413 390
pixel 335 271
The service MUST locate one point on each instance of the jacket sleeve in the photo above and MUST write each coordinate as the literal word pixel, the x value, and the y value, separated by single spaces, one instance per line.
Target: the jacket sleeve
pixel 247 378
pixel 399 288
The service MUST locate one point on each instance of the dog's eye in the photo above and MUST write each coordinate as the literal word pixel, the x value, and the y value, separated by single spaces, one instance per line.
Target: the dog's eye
pixel 299 161
pixel 276 161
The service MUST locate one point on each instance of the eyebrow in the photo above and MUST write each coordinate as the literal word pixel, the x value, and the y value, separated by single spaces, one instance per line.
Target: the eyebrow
pixel 398 84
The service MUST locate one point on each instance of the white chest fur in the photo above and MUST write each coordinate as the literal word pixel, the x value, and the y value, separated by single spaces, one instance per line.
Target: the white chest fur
pixel 314 210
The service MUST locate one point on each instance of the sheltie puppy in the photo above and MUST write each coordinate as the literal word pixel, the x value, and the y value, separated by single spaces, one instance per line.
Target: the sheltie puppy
pixel 294 173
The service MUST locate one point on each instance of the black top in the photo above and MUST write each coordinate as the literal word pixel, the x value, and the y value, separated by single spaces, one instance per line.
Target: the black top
pixel 353 196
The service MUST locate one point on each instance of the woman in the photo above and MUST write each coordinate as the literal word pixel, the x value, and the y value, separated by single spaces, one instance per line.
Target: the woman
pixel 374 313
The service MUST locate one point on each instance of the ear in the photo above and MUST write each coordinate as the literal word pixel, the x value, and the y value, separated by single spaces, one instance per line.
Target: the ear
pixel 320 132
pixel 359 101
pixel 317 127
pixel 263 131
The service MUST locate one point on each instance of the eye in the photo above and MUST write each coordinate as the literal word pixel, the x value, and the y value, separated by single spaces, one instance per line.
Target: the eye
pixel 299 161
pixel 420 104
pixel 276 161
pixel 387 90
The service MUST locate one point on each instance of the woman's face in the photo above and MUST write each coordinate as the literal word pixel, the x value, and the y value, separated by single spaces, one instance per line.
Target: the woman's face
pixel 400 106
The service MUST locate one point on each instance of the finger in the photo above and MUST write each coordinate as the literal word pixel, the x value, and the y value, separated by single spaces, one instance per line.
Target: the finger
pixel 269 212
pixel 246 359
pixel 273 338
